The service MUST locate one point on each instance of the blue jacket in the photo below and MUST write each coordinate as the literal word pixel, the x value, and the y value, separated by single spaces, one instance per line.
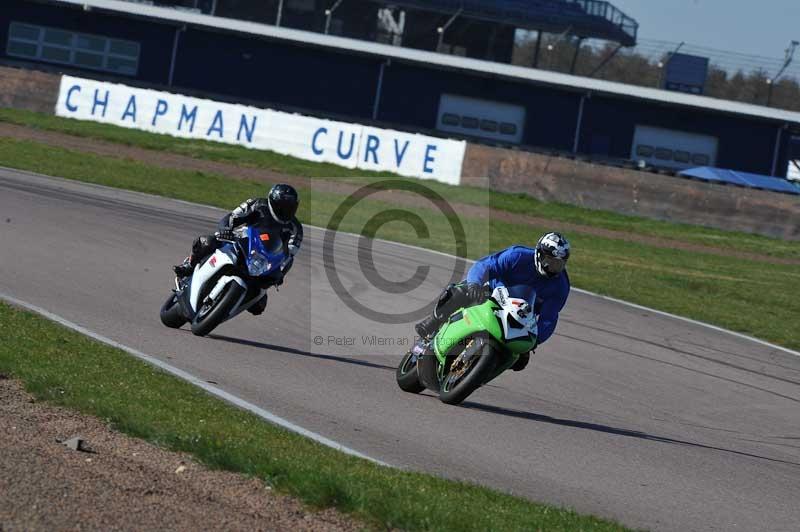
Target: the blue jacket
pixel 514 268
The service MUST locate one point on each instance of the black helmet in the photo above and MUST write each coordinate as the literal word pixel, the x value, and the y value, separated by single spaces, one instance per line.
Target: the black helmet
pixel 283 201
pixel 552 253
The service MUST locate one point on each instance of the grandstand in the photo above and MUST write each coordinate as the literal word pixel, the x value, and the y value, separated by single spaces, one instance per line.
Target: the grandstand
pixel 585 18
pixel 481 29
pixel 380 83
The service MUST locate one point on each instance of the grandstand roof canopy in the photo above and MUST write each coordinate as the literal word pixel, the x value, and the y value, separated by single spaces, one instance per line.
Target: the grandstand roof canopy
pixel 586 18
pixel 531 75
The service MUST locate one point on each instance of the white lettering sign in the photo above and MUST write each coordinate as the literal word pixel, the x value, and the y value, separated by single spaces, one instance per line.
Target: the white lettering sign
pixel 304 137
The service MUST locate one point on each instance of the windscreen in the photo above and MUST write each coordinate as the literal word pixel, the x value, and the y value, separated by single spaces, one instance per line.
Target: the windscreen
pixel 266 239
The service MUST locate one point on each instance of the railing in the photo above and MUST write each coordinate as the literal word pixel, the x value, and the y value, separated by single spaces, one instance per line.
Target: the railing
pixel 564 12
pixel 606 10
pixel 580 15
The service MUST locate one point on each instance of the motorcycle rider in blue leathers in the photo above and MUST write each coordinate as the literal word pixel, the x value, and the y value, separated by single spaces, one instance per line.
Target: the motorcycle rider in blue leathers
pixel 539 271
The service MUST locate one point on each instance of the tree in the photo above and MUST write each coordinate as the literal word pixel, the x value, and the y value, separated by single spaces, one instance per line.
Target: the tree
pixel 631 67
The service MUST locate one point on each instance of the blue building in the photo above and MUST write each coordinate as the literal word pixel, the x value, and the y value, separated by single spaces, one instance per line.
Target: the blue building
pixel 405 88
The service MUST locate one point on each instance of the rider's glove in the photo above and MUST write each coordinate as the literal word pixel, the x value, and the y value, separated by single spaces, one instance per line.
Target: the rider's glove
pixel 224 234
pixel 474 292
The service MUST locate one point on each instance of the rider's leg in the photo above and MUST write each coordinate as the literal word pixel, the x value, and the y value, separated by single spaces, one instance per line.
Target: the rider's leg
pixel 452 298
pixel 202 247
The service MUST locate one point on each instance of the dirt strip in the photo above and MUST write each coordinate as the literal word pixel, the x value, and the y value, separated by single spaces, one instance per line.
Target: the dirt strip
pixel 124 483
pixel 182 162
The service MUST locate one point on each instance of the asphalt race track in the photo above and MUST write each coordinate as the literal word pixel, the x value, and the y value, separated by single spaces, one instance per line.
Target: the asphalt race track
pixel 625 414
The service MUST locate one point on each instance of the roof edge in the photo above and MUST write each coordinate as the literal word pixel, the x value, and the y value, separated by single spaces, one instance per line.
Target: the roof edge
pixel 570 82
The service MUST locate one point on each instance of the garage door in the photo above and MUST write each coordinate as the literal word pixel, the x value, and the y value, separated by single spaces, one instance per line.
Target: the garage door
pixel 481 118
pixel 670 148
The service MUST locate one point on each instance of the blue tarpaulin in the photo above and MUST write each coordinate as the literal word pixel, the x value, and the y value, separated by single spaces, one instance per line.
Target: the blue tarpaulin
pixel 743 179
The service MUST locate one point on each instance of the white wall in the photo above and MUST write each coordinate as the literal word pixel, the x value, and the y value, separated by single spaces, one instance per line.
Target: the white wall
pixel 793 173
pixel 304 137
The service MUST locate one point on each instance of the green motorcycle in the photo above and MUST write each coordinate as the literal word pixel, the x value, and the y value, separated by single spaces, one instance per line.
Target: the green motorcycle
pixel 474 346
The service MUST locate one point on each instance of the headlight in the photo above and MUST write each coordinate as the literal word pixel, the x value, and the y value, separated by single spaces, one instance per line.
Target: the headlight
pixel 258 264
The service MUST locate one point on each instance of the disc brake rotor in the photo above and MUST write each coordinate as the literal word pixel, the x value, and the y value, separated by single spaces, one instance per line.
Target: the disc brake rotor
pixel 461 364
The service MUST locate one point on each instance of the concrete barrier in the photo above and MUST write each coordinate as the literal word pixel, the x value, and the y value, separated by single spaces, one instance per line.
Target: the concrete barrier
pixel 28 89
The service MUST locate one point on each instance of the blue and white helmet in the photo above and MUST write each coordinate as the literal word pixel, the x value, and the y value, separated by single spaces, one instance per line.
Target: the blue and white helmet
pixel 552 253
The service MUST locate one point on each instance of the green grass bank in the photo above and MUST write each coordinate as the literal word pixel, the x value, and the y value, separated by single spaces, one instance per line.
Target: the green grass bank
pixel 65 368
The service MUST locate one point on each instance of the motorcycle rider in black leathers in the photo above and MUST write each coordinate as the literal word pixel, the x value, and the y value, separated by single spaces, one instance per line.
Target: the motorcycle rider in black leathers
pixel 280 206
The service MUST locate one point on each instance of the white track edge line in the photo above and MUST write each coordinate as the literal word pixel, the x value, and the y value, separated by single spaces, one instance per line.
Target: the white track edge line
pixel 443 254
pixel 196 381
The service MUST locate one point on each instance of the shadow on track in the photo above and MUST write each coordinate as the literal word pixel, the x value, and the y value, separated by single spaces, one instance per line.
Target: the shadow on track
pixel 541 418
pixel 301 352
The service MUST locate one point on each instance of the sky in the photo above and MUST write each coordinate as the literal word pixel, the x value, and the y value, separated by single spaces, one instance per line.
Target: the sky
pixel 758 27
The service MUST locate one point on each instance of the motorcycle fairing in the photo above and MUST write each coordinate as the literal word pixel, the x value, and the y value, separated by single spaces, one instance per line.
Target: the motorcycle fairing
pixel 205 271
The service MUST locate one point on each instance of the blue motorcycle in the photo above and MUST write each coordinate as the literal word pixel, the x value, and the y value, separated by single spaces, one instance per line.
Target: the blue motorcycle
pixel 234 278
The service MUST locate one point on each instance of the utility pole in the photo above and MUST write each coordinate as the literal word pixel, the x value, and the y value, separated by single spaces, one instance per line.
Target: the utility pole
pixel 329 14
pixel 280 13
pixel 441 29
pixel 788 61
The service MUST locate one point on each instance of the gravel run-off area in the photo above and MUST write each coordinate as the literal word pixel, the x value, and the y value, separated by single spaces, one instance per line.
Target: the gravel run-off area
pixel 123 483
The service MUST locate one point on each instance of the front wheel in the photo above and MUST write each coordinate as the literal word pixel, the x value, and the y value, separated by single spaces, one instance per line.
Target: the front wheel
pixel 171 313
pixel 212 314
pixel 471 368
pixel 406 374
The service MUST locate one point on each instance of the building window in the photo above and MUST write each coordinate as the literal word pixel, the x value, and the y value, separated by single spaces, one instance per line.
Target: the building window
pixel 665 154
pixel 469 122
pixel 682 156
pixel 508 129
pixel 701 159
pixel 450 119
pixel 489 125
pixel 82 50
pixel 643 150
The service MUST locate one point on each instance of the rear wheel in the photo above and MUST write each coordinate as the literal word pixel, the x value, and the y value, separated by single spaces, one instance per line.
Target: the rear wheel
pixel 171 314
pixel 213 313
pixel 468 372
pixel 406 374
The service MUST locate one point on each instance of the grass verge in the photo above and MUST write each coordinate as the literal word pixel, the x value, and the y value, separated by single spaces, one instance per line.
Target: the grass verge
pixel 746 296
pixel 514 203
pixel 65 368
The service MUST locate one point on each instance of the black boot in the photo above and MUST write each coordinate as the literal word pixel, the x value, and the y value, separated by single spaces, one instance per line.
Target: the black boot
pixel 257 308
pixel 184 269
pixel 521 362
pixel 428 327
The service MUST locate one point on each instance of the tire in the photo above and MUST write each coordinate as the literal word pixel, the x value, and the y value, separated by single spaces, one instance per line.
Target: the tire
pixel 171 314
pixel 202 325
pixel 472 380
pixel 406 376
